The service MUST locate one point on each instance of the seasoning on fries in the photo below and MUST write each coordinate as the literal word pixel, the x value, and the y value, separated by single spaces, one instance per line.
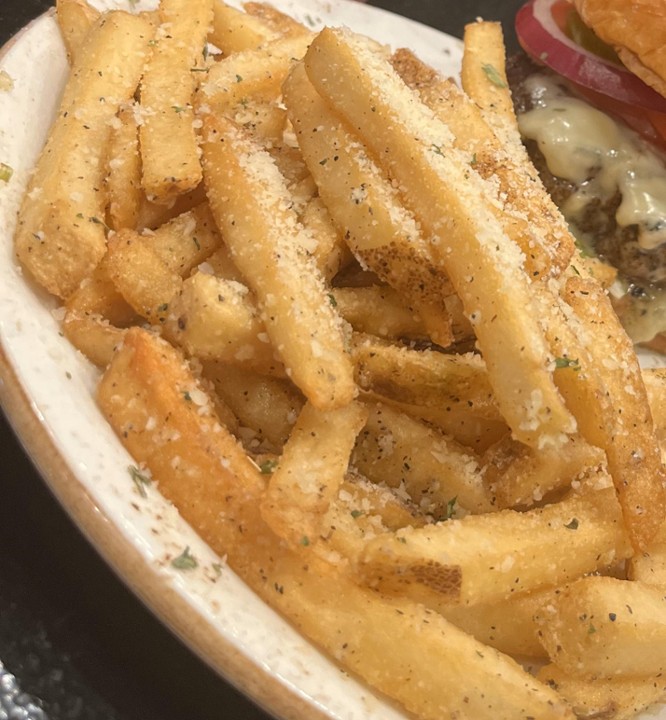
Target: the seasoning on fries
pixel 346 330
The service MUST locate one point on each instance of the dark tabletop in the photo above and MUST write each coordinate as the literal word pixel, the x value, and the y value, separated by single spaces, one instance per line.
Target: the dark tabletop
pixel 71 633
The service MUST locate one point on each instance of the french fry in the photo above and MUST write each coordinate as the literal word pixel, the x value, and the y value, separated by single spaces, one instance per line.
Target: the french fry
pixel 270 249
pixel 655 386
pixel 488 558
pixel 483 263
pixel 619 698
pixel 438 474
pixel 361 508
pixel 424 377
pixel 483 77
pixel 217 491
pixel 507 625
pixel 234 30
pixel 518 477
pixel 93 335
pixel 330 253
pixel 255 74
pixel 186 240
pixel 533 219
pixel 217 319
pixel 97 295
pixel 365 206
pixel 145 282
pixel 75 19
pixel 378 310
pixel 60 234
pixel 123 179
pixel 311 471
pixel 169 149
pixel 605 627
pixel 268 406
pixel 628 437
pixel 279 22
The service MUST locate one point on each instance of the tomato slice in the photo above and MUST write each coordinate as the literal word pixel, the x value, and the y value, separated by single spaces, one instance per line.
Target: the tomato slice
pixel 541 28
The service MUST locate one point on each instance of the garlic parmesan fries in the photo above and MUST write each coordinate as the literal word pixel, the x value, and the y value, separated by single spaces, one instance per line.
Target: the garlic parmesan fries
pixel 343 326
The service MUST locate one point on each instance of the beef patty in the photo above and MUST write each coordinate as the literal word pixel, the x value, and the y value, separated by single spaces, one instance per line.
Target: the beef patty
pixel 613 243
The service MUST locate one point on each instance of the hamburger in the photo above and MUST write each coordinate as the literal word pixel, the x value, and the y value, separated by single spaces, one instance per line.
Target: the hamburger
pixel 589 93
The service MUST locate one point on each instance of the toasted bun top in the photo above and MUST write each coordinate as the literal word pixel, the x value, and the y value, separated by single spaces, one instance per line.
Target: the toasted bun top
pixel 636 29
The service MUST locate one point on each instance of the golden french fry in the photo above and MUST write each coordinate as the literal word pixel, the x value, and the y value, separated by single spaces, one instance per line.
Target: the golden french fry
pixel 60 234
pixel 529 214
pixel 256 73
pixel 619 698
pixel 140 276
pixel 605 627
pixel 507 625
pixel 217 492
pixel 311 471
pixel 517 476
pixel 425 378
pixel 439 475
pixel 279 22
pixel 378 310
pixel 93 335
pixel 75 19
pixel 169 150
pixel 382 234
pixel 251 206
pixel 234 30
pixel 483 77
pixel 217 319
pixel 331 253
pixel 186 240
pixel 488 558
pixel 626 433
pixel 123 179
pixel 483 263
pixel 267 406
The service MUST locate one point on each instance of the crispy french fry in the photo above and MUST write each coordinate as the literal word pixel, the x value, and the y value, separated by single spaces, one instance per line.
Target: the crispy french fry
pixel 267 406
pixel 123 179
pixel 331 253
pixel 311 471
pixel 507 625
pixel 619 698
pixel 186 240
pixel 217 319
pixel 605 627
pixel 378 310
pixel 93 335
pixel 279 22
pixel 483 263
pixel 217 491
pixel 483 77
pixel 146 283
pixel 530 215
pixel 75 19
pixel 439 475
pixel 234 30
pixel 256 73
pixel 424 377
pixel 627 432
pixel 488 558
pixel 169 150
pixel 270 248
pixel 60 233
pixel 365 206
pixel 517 476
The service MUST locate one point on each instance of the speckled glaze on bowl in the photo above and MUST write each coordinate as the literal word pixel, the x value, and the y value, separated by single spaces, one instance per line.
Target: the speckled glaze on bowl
pixel 46 389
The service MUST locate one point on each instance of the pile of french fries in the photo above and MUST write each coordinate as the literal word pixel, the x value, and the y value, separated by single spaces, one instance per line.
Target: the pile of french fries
pixel 344 327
